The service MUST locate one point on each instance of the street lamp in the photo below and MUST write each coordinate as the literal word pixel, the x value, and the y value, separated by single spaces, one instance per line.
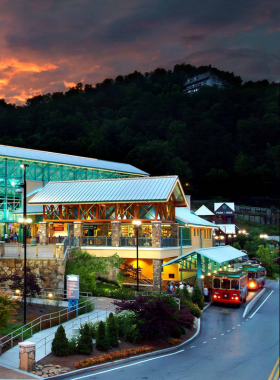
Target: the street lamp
pixel 219 238
pixel 24 221
pixel 263 236
pixel 137 225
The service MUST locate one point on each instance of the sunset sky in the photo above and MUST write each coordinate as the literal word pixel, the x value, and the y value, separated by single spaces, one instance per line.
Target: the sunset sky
pixel 50 45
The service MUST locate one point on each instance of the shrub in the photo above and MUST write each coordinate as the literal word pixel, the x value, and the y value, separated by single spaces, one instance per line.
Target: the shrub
pixel 174 342
pixel 186 293
pixel 86 307
pixel 176 332
pixel 85 345
pixel 185 318
pixel 102 341
pixel 93 327
pixel 73 345
pixel 8 307
pixel 112 331
pixel 60 346
pixel 183 330
pixel 197 297
pixel 132 334
pixel 112 356
pixel 195 310
pixel 125 319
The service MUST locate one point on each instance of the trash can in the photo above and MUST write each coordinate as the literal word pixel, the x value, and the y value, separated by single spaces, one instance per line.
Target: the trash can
pixel 34 241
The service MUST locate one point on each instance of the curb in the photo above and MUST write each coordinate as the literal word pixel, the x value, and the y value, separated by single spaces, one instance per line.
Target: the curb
pixel 250 305
pixel 133 358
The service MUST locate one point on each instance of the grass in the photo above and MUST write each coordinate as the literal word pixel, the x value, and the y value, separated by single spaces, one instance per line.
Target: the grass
pixel 248 225
pixel 13 327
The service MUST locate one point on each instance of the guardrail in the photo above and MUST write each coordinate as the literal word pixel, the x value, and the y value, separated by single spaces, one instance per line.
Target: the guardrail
pixel 169 242
pixel 36 324
pixel 72 324
pixel 102 241
pixel 131 242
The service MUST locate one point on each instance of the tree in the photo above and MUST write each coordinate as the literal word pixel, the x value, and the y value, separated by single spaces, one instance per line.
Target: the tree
pixel 8 308
pixel 197 297
pixel 60 345
pixel 102 341
pixel 267 258
pixel 17 282
pixel 112 331
pixel 237 245
pixel 85 345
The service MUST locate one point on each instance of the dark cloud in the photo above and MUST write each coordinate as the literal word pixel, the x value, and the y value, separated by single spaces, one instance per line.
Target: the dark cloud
pixel 47 43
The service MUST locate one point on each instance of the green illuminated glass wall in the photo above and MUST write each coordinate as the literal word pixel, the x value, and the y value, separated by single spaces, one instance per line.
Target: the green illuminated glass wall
pixel 11 175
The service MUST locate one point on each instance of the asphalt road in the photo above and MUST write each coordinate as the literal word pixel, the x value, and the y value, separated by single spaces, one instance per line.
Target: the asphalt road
pixel 229 347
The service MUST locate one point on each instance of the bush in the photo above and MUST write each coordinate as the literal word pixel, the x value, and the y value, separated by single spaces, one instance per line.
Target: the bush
pixel 132 334
pixel 60 345
pixel 85 345
pixel 186 293
pixel 183 330
pixel 197 297
pixel 125 319
pixel 112 331
pixel 113 356
pixel 73 345
pixel 174 342
pixel 102 341
pixel 186 318
pixel 176 332
pixel 93 327
pixel 87 306
pixel 195 310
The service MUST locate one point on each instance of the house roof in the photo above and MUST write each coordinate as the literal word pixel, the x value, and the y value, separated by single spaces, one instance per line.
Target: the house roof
pixel 217 254
pixel 187 217
pixel 229 204
pixel 30 209
pixel 65 159
pixel 118 190
pixel 204 211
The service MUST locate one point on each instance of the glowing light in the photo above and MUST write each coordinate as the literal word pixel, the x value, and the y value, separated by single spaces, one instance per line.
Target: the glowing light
pixel 50 295
pixel 28 220
pixel 21 220
pixel 17 291
pixel 202 276
pixel 136 222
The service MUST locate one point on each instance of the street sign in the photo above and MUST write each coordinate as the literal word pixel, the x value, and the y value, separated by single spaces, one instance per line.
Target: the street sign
pixel 90 227
pixel 73 288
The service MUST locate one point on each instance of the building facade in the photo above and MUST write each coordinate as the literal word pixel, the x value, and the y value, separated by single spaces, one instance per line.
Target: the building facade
pixel 45 167
pixel 207 79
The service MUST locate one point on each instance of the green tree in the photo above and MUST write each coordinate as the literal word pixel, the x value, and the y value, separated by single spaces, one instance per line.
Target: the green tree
pixel 85 345
pixel 60 345
pixel 197 297
pixel 8 308
pixel 267 257
pixel 102 341
pixel 113 332
pixel 236 245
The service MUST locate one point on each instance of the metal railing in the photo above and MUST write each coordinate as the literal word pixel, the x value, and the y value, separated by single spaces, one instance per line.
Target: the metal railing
pixel 36 324
pixel 75 322
pixel 102 241
pixel 56 239
pixel 131 242
pixel 185 242
pixel 169 242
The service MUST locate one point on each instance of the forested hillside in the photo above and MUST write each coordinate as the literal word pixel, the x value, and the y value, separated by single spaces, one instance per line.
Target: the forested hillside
pixel 219 141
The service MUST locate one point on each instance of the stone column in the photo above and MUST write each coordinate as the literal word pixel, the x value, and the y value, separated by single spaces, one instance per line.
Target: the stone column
pixel 27 356
pixel 78 229
pixel 2 248
pixel 116 233
pixel 157 275
pixel 156 234
pixel 44 233
pixel 175 233
pixel 59 250
pixel 71 229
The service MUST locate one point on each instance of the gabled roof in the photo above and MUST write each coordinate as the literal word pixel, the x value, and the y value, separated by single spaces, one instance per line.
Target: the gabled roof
pixel 119 190
pixel 204 211
pixel 217 254
pixel 229 204
pixel 187 217
pixel 30 209
pixel 65 159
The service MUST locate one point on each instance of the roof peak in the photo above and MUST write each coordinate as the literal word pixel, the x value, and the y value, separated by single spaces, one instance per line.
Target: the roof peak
pixel 114 179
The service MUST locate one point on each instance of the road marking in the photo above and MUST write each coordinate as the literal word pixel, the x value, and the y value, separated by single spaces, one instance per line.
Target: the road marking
pixel 242 322
pixel 261 304
pixel 224 311
pixel 222 334
pixel 125 366
pixel 273 371
pixel 204 342
pixel 228 331
pixel 238 325
pixel 233 328
pixel 214 338
pixel 192 346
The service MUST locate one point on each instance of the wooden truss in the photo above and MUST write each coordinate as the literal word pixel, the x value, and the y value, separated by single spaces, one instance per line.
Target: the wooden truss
pixel 124 212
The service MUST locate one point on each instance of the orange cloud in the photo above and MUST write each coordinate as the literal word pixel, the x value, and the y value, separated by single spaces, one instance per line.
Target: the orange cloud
pixel 18 66
pixel 69 84
pixel 4 82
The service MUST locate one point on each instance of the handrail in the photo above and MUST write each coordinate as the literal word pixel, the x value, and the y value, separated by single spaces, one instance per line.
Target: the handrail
pixel 39 321
pixel 74 323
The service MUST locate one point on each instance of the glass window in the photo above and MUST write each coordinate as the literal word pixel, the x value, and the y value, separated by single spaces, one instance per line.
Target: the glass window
pixel 146 230
pixel 166 231
pixel 251 275
pixel 216 283
pixel 225 283
pixel 235 284
pixel 128 230
pixel 39 172
pixel 194 232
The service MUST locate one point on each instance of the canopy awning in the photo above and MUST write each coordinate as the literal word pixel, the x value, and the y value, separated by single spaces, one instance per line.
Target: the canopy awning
pixel 189 218
pixel 218 254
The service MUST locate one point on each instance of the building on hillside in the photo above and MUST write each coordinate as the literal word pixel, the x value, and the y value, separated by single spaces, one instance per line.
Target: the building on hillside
pixel 100 213
pixel 45 167
pixel 225 220
pixel 205 213
pixel 207 79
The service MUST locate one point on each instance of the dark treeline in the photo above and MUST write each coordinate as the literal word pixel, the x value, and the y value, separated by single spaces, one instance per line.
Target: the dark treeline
pixel 219 141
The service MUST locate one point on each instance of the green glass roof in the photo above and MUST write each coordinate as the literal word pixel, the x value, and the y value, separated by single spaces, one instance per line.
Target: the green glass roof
pixel 252 268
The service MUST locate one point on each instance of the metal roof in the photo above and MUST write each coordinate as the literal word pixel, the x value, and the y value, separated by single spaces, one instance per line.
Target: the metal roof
pixel 227 228
pixel 141 189
pixel 30 209
pixel 217 254
pixel 229 204
pixel 204 211
pixel 65 159
pixel 189 218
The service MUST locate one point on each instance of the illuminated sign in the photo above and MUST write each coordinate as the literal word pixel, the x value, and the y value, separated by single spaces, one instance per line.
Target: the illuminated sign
pixel 73 288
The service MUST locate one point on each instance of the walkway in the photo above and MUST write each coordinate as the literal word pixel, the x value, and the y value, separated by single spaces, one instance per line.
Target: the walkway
pixel 8 373
pixel 44 251
pixel 11 357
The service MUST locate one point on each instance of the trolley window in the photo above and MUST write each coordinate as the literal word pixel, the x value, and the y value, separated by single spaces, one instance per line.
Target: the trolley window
pixel 262 273
pixel 235 284
pixel 252 275
pixel 225 283
pixel 216 283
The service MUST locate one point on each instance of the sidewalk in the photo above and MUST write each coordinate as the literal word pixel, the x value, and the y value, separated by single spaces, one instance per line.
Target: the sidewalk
pixel 8 373
pixel 11 357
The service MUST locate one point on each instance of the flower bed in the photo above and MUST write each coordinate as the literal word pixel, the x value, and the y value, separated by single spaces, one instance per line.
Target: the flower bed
pixel 112 356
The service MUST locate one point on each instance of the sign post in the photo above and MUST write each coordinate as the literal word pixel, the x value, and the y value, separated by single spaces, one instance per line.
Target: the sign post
pixel 73 291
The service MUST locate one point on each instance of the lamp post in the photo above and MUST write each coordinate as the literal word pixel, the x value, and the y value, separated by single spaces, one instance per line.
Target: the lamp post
pixel 24 221
pixel 219 238
pixel 137 224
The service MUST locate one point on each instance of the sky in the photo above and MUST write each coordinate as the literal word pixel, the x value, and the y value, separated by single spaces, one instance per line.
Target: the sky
pixel 50 45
